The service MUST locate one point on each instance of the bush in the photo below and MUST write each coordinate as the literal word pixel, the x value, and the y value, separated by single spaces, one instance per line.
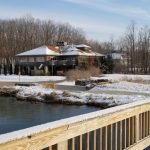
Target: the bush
pixel 82 74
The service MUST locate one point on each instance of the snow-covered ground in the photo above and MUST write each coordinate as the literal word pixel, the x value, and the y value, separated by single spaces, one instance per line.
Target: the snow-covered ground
pixel 124 86
pixel 122 77
pixel 16 78
pixel 66 83
pixel 121 84
pixel 81 97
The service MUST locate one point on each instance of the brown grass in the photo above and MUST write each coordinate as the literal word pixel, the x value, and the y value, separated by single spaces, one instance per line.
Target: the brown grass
pixel 82 74
pixel 49 85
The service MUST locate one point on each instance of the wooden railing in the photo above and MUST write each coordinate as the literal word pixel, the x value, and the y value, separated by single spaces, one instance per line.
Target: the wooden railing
pixel 117 128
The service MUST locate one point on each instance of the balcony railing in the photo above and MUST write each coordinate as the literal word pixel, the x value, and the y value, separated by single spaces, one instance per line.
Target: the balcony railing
pixel 117 128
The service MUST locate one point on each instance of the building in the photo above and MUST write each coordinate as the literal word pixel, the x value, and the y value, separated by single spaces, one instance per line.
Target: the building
pixel 50 60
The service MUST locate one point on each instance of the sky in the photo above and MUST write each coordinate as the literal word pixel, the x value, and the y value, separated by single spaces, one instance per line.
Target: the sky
pixel 101 20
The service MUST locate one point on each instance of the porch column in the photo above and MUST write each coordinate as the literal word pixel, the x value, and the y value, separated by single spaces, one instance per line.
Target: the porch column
pixel 28 70
pixel 46 70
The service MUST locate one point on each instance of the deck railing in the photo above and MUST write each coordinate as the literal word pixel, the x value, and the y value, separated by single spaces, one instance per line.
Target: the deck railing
pixel 117 128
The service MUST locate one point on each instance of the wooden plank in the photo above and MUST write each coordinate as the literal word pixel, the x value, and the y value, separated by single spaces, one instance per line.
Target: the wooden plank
pixel 129 137
pixel 111 135
pixel 56 135
pixel 146 126
pixel 142 144
pixel 120 134
pixel 140 126
pixel 149 122
pixel 105 138
pixel 87 141
pixel 72 144
pixel 100 139
pixel 132 130
pixel 125 133
pixel 79 141
pixel 137 126
pixel 116 133
pixel 94 139
pixel 62 146
pixel 143 126
pixel 54 147
pixel 50 148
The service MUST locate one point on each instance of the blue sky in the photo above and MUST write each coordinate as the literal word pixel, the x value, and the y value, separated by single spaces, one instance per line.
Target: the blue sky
pixel 100 19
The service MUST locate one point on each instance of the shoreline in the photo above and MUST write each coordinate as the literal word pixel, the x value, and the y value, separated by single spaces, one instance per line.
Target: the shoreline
pixel 52 97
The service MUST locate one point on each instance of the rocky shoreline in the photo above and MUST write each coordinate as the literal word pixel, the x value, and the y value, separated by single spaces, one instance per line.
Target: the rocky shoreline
pixel 52 97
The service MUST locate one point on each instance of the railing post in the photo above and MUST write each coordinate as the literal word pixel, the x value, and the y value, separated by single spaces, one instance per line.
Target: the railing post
pixel 87 141
pixel 62 146
pixel 137 128
pixel 72 144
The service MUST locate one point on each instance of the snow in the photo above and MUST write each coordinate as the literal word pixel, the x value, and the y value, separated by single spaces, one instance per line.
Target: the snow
pixel 68 50
pixel 15 78
pixel 124 86
pixel 74 50
pixel 43 50
pixel 66 83
pixel 82 45
pixel 122 77
pixel 65 122
pixel 82 97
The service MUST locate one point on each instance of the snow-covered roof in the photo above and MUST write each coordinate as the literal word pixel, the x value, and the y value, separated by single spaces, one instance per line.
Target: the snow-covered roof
pixel 43 50
pixel 73 50
pixel 67 50
pixel 83 45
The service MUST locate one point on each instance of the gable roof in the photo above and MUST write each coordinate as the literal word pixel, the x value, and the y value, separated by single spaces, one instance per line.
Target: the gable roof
pixel 42 51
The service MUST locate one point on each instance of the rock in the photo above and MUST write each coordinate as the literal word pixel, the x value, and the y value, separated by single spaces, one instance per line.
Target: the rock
pixel 82 82
pixel 8 91
pixel 69 94
pixel 52 97
pixel 66 94
pixel 101 104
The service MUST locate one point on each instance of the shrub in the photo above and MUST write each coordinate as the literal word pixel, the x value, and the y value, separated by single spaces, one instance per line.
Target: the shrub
pixel 83 74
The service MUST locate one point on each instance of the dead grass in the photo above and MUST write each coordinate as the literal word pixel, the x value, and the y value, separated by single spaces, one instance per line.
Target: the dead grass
pixel 76 74
pixel 49 85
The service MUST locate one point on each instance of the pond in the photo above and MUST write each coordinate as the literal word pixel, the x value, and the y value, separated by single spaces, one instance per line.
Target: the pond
pixel 16 115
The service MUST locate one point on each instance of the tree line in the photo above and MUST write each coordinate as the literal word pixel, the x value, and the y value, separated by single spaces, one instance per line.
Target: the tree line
pixel 18 35
pixel 25 33
pixel 136 44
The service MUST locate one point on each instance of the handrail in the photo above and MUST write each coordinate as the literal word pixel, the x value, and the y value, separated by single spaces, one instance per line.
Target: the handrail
pixel 127 126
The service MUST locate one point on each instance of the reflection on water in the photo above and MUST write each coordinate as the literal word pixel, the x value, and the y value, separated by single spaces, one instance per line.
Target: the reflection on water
pixel 15 115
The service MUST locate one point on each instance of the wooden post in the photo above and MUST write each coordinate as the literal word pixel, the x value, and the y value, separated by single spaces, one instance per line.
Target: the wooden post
pixel 143 126
pixel 125 133
pixel 129 135
pixel 100 139
pixel 105 138
pixel 87 141
pixel 62 146
pixel 116 133
pixel 149 122
pixel 94 139
pixel 137 126
pixel 79 138
pixel 50 148
pixel 72 144
pixel 120 135
pixel 111 135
